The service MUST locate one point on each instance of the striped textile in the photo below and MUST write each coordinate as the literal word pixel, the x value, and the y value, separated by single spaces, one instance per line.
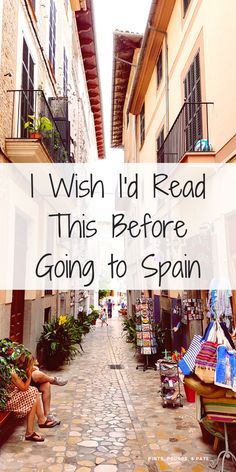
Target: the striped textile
pixel 220 409
pixel 187 363
pixel 207 356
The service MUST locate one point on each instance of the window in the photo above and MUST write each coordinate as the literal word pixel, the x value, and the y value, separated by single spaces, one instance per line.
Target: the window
pixel 159 69
pixel 52 34
pixel 160 148
pixel 186 4
pixel 27 84
pixel 142 125
pixel 193 110
pixel 65 74
pixel 47 314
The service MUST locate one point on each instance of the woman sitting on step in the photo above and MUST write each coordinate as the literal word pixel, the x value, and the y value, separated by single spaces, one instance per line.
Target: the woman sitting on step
pixel 25 400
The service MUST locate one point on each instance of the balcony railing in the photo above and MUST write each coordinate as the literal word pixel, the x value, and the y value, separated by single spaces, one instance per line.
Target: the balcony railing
pixel 33 103
pixel 190 126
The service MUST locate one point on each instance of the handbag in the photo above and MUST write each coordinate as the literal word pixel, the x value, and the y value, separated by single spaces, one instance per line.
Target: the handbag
pixel 187 363
pixel 206 359
pixel 205 365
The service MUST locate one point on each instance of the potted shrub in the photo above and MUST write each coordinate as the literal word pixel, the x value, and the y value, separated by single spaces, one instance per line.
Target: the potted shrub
pixel 58 341
pixel 129 326
pixel 93 315
pixel 5 380
pixel 9 354
pixel 39 126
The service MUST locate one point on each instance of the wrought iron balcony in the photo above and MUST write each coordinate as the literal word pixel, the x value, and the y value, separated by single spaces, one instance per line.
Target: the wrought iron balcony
pixel 185 135
pixel 28 103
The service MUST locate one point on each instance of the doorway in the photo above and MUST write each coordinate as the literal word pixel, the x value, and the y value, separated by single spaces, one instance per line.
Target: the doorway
pixel 166 324
pixel 17 316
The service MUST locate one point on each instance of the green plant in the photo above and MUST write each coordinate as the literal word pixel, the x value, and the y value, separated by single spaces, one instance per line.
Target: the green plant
pixel 94 314
pixel 56 140
pixel 129 327
pixel 63 155
pixel 10 354
pixel 160 334
pixel 58 341
pixel 103 293
pixel 5 380
pixel 42 124
pixel 83 324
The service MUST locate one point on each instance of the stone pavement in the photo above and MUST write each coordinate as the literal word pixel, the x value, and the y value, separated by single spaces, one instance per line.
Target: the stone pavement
pixel 112 420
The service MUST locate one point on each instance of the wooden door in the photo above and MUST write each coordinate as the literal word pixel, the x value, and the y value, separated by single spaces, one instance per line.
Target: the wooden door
pixel 17 316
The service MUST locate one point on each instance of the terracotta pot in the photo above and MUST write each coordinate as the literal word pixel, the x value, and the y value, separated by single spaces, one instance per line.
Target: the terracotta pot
pixel 35 135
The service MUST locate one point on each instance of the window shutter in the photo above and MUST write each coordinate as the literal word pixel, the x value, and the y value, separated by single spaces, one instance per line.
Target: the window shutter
pixel 186 4
pixel 159 69
pixel 193 111
pixel 52 35
pixel 160 147
pixel 142 125
pixel 27 84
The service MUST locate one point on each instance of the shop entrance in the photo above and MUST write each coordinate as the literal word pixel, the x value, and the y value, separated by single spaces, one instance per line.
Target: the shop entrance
pixel 166 324
pixel 17 316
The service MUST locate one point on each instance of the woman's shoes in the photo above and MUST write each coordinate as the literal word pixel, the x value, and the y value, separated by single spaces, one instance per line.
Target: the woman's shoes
pixel 35 437
pixel 59 381
pixel 49 424
pixel 52 417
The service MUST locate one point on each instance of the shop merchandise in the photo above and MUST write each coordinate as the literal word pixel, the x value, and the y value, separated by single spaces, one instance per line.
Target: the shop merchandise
pixel 192 308
pixel 219 306
pixel 187 363
pixel 146 339
pixel 225 375
pixel 205 364
pixel 170 383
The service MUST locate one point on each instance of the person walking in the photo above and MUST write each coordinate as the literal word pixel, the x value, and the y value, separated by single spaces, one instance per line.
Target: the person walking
pixel 109 308
pixel 104 317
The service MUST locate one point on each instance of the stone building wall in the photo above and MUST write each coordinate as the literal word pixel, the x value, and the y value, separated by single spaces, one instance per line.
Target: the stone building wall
pixel 10 9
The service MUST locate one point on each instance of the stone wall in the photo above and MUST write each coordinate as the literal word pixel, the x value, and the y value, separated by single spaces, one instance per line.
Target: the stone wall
pixel 5 316
pixel 8 66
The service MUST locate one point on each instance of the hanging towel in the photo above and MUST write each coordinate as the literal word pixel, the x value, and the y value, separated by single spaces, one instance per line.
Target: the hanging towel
pixel 225 375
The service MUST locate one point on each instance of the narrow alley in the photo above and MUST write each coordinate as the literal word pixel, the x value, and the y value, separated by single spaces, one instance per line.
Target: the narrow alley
pixel 111 419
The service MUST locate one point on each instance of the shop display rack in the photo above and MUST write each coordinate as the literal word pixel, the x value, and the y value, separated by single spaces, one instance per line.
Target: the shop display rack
pixel 145 330
pixel 170 383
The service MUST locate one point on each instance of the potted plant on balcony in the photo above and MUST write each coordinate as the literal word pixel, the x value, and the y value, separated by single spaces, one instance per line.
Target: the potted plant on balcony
pixel 39 126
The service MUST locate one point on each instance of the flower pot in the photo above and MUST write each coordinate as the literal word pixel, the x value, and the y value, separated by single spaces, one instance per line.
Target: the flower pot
pixel 190 394
pixel 35 135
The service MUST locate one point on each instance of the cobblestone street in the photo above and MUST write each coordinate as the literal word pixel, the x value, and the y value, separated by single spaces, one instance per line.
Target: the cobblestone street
pixel 111 420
